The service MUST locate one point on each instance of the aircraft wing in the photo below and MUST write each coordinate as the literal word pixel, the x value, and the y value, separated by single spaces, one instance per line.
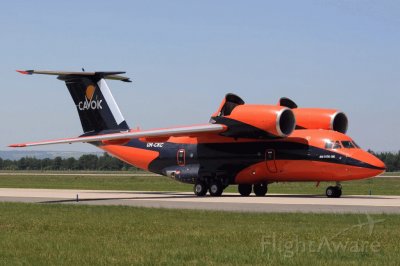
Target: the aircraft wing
pixel 157 133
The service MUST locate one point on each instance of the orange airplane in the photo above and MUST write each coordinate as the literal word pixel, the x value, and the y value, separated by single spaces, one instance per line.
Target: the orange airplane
pixel 247 145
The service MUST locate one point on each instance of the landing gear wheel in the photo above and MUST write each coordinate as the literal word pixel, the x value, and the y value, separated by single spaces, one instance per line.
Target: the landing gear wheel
pixel 260 189
pixel 244 189
pixel 216 189
pixel 200 189
pixel 333 192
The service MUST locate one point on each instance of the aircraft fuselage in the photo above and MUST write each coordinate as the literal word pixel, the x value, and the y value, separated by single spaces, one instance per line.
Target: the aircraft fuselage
pixel 304 156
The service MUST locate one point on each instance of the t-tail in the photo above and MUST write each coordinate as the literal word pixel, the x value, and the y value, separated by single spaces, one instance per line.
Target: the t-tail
pixel 101 119
pixel 96 106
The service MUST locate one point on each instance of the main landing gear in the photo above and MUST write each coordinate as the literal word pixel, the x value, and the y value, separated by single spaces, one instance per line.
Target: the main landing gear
pixel 259 189
pixel 244 189
pixel 334 191
pixel 200 189
pixel 215 188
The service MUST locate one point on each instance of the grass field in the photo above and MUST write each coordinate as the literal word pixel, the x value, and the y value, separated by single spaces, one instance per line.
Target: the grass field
pixel 41 234
pixel 114 181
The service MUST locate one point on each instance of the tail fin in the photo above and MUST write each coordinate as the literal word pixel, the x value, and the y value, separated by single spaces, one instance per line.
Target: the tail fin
pixel 94 102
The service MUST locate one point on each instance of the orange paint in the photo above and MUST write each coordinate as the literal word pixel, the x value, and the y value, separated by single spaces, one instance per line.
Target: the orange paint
pixel 115 142
pixel 302 170
pixel 314 118
pixel 138 157
pixel 260 116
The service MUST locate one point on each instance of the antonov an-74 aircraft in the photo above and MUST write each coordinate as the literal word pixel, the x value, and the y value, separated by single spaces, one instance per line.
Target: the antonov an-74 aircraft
pixel 247 145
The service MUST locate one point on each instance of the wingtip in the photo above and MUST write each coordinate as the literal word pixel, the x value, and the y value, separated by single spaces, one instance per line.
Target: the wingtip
pixel 17 145
pixel 24 72
pixel 126 80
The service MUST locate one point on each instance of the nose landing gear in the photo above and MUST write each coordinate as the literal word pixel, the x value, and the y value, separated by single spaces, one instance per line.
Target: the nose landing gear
pixel 334 191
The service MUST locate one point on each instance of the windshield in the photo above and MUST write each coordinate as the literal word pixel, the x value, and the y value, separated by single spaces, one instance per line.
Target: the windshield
pixel 336 144
pixel 348 145
pixel 332 144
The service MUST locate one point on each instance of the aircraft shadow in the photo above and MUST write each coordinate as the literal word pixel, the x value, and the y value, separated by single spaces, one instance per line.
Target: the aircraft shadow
pixel 177 195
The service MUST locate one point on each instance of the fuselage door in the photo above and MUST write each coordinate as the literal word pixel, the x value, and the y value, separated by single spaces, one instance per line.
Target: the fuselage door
pixel 180 157
pixel 270 161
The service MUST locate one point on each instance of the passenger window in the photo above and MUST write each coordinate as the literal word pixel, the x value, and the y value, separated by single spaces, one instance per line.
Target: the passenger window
pixel 337 145
pixel 181 157
pixel 348 145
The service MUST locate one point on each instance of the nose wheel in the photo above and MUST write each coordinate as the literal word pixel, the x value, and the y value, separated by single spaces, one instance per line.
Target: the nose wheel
pixel 334 191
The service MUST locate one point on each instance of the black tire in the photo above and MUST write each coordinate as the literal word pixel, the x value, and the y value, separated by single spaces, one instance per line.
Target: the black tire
pixel 200 189
pixel 216 188
pixel 333 192
pixel 244 190
pixel 338 192
pixel 260 189
pixel 330 192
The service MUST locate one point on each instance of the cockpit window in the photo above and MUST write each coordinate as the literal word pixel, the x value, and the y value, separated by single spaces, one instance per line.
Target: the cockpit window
pixel 348 145
pixel 332 145
pixel 336 145
pixel 328 144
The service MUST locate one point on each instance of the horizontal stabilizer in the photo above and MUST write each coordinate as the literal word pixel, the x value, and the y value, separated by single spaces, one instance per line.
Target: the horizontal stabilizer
pixel 172 132
pixel 114 75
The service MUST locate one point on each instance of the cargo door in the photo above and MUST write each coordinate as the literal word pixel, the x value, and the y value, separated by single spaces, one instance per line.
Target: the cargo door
pixel 270 161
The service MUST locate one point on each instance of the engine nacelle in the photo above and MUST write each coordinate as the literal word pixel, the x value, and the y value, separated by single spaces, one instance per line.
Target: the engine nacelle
pixel 258 121
pixel 314 118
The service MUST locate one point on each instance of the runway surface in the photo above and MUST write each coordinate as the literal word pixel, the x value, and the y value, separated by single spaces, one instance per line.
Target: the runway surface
pixel 75 174
pixel 228 202
pixel 147 174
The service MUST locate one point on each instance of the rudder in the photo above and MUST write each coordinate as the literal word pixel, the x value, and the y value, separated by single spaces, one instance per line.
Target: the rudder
pixel 95 104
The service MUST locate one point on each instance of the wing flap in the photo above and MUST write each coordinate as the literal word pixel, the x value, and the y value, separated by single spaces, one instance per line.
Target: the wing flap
pixel 157 133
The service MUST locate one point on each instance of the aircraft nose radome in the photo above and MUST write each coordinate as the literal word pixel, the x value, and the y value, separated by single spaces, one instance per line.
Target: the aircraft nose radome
pixel 368 159
pixel 371 166
pixel 380 164
pixel 372 160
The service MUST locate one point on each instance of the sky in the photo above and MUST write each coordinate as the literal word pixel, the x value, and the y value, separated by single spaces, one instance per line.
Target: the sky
pixel 184 56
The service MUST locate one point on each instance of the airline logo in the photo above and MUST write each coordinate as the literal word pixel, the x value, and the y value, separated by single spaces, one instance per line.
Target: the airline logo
pixel 90 103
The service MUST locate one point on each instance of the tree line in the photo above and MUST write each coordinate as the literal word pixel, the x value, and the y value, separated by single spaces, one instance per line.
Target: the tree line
pixel 85 162
pixel 109 163
pixel 391 160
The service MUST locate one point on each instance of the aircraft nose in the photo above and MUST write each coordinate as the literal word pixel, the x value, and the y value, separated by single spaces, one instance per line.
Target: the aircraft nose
pixel 369 164
pixel 375 165
pixel 379 164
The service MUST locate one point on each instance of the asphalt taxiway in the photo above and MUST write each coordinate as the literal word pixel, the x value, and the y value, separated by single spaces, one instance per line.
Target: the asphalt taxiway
pixel 228 202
